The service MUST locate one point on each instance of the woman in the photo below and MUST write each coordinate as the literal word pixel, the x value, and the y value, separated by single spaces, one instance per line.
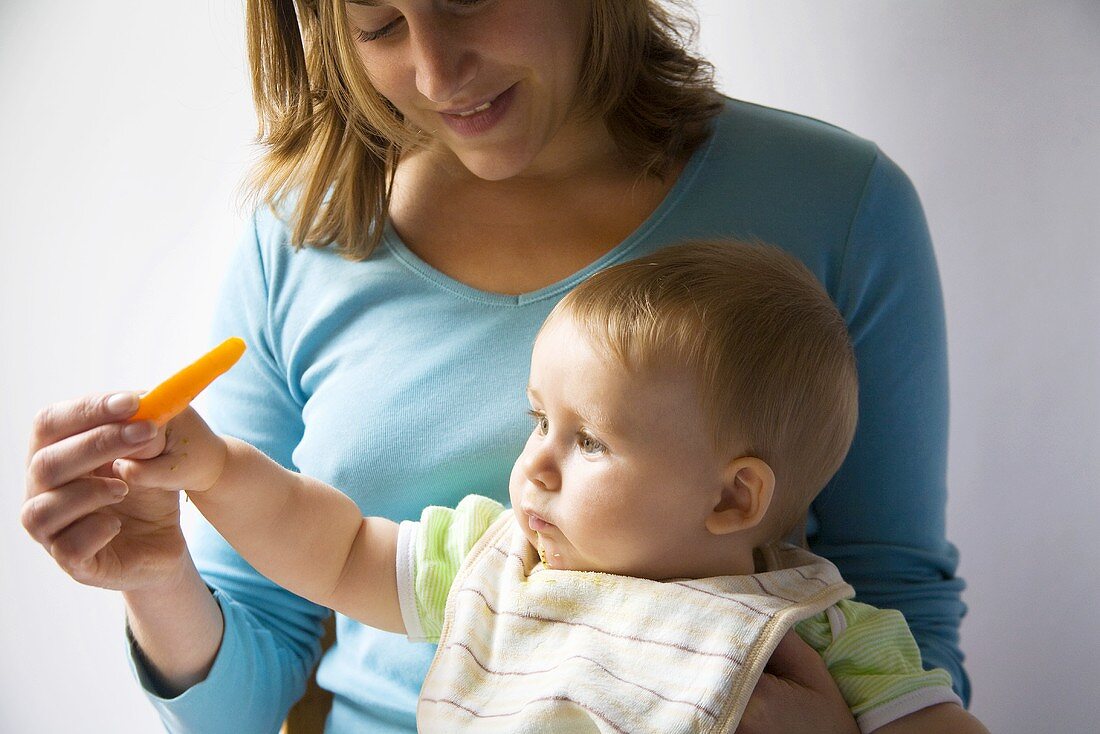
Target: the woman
pixel 441 173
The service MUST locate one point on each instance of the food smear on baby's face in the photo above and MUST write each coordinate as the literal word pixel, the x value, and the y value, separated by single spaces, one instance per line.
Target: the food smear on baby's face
pixel 541 548
pixel 542 551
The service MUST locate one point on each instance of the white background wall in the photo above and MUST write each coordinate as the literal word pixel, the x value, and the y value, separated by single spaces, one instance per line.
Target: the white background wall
pixel 125 127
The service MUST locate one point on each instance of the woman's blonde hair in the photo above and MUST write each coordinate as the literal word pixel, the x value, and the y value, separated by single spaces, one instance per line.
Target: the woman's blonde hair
pixel 771 353
pixel 331 143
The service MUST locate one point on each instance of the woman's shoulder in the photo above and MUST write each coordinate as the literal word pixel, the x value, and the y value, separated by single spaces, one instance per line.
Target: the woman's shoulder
pixel 762 132
pixel 267 246
pixel 798 182
pixel 781 157
pixel 784 176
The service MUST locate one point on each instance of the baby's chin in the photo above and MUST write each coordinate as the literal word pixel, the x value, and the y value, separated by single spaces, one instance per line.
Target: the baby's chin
pixel 549 555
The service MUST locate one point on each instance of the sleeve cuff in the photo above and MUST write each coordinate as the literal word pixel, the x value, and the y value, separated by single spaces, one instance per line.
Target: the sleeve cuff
pixel 406 581
pixel 191 710
pixel 921 698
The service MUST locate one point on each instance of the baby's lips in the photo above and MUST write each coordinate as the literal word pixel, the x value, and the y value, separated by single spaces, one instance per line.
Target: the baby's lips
pixel 536 523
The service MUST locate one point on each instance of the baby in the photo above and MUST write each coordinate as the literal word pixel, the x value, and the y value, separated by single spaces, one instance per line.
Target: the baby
pixel 686 408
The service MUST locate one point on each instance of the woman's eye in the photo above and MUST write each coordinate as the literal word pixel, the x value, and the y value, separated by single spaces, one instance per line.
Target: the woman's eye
pixel 590 445
pixel 367 36
pixel 542 423
pixel 376 35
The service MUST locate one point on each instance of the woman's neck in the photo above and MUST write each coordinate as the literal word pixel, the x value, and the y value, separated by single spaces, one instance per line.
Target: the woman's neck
pixel 525 232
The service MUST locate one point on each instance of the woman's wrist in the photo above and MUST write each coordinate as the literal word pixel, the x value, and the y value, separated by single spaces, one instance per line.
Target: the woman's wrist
pixel 177 627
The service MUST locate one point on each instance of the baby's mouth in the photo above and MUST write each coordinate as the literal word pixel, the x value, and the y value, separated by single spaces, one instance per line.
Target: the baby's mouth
pixel 536 523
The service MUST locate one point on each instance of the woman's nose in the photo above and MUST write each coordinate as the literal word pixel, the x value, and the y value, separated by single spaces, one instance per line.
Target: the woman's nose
pixel 444 63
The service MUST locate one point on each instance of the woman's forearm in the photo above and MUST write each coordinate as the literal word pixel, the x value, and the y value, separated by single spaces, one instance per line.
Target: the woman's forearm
pixel 178 628
pixel 293 529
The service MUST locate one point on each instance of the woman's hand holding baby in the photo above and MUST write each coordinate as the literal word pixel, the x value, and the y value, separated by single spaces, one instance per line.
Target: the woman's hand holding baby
pixel 796 694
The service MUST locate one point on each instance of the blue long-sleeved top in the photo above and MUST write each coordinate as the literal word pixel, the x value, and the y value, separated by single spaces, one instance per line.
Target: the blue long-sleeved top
pixel 403 388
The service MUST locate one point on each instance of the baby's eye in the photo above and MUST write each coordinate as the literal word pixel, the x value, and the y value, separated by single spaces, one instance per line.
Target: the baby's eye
pixel 589 445
pixel 542 423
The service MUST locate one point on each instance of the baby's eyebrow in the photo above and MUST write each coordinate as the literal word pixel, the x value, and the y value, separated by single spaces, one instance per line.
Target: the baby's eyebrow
pixel 594 417
pixel 589 415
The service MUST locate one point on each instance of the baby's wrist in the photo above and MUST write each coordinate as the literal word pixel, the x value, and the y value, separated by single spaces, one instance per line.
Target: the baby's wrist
pixel 220 458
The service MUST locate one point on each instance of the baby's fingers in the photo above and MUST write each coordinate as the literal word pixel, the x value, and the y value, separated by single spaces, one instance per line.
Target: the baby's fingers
pixel 167 471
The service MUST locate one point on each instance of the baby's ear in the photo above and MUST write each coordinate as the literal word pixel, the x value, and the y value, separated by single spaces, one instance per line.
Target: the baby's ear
pixel 746 495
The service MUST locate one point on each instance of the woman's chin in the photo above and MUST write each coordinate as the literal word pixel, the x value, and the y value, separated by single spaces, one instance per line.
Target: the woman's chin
pixel 494 165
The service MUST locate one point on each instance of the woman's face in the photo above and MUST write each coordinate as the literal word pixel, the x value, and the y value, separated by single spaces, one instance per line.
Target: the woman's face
pixel 492 82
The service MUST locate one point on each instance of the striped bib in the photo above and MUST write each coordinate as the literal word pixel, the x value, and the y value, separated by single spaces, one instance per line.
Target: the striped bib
pixel 526 648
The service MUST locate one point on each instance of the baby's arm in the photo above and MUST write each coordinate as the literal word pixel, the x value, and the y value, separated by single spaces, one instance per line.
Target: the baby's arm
pixel 950 718
pixel 877 666
pixel 301 533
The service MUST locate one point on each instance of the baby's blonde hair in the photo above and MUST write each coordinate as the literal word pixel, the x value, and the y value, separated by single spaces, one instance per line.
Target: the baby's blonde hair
pixel 774 363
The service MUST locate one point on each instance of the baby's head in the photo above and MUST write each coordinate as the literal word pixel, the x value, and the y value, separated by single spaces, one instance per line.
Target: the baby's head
pixel 689 405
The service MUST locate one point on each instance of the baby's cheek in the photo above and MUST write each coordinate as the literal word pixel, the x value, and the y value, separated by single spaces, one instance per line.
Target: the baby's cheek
pixel 604 533
pixel 515 485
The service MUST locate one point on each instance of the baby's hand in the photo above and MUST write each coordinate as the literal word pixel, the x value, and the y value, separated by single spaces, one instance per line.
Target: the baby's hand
pixel 192 460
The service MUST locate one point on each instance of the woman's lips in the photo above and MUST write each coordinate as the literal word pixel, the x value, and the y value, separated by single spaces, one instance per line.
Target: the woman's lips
pixel 482 117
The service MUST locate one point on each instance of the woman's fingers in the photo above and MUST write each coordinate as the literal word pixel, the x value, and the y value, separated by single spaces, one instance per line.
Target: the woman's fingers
pixel 46 514
pixel 799 663
pixel 68 418
pixel 76 547
pixel 796 694
pixel 60 462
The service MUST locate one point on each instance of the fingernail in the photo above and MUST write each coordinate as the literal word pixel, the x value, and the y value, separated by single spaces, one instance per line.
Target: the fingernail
pixel 119 490
pixel 139 432
pixel 122 403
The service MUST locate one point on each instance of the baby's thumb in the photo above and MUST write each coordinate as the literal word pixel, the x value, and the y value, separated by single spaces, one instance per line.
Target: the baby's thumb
pixel 155 473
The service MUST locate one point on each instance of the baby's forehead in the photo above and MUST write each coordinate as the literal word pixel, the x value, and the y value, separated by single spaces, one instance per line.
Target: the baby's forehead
pixel 634 353
pixel 599 374
pixel 622 360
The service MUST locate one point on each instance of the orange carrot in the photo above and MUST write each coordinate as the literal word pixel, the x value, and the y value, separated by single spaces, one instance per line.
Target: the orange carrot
pixel 168 399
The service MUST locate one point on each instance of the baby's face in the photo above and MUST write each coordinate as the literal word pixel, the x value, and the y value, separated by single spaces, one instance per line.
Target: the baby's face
pixel 619 472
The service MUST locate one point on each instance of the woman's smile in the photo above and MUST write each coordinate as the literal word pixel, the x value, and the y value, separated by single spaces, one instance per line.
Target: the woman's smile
pixel 480 118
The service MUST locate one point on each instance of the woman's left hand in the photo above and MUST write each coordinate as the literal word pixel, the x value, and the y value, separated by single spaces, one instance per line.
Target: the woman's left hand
pixel 796 694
